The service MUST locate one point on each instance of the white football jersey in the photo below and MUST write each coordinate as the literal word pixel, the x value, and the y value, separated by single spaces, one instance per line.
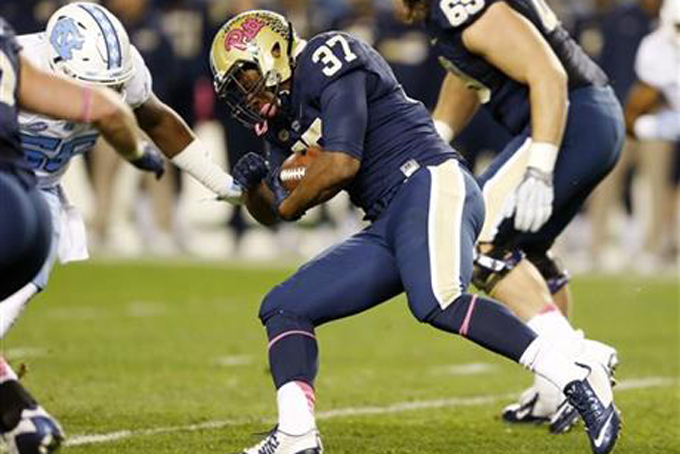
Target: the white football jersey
pixel 658 65
pixel 50 144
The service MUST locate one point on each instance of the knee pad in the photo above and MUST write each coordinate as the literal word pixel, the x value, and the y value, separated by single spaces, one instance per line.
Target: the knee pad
pixel 490 267
pixel 555 275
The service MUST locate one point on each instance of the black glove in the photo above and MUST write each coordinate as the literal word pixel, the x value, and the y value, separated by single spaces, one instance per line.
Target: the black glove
pixel 150 161
pixel 250 170
pixel 274 184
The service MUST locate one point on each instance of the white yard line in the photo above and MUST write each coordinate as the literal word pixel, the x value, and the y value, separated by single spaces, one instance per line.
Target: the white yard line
pixel 77 440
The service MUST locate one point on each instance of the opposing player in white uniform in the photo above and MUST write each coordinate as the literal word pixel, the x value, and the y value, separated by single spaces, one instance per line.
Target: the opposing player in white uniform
pixel 653 107
pixel 86 42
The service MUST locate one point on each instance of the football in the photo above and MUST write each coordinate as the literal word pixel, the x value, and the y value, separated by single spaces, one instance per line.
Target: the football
pixel 295 166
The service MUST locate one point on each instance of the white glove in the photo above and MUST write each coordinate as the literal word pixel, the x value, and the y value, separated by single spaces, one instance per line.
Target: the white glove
pixel 534 195
pixel 534 198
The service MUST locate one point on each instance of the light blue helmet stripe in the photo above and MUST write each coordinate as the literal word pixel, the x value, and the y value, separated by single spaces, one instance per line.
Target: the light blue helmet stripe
pixel 113 50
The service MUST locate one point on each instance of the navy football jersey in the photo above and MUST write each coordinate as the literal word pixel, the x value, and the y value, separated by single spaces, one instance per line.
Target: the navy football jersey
pixel 344 97
pixel 10 145
pixel 507 100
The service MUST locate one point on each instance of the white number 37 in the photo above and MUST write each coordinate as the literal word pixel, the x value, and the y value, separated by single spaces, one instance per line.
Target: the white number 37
pixel 324 54
pixel 457 11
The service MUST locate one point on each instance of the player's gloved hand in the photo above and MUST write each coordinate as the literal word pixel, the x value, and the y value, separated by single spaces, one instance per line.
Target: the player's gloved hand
pixel 533 200
pixel 151 160
pixel 233 194
pixel 274 184
pixel 534 195
pixel 250 170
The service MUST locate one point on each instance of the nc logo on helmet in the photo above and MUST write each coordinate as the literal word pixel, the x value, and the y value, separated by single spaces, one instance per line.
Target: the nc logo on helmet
pixel 66 37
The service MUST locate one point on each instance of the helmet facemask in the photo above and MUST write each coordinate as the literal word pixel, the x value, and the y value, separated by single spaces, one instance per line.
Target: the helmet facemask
pixel 251 101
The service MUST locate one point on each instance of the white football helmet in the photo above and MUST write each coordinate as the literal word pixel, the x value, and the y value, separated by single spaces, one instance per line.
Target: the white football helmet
pixel 86 42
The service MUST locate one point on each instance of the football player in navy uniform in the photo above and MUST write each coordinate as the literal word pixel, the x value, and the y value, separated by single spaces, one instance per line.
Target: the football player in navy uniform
pixel 25 225
pixel 425 210
pixel 514 58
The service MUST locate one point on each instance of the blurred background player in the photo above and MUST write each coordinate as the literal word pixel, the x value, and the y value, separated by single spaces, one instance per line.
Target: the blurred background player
pixel 86 42
pixel 25 221
pixel 653 118
pixel 629 206
pixel 546 92
pixel 425 212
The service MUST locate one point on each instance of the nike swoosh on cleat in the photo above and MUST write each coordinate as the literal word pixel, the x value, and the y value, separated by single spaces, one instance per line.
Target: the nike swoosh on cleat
pixel 600 438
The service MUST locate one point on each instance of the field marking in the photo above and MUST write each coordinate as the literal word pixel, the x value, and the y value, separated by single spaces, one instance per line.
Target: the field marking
pixel 24 352
pixel 400 407
pixel 235 360
pixel 143 309
pixel 464 369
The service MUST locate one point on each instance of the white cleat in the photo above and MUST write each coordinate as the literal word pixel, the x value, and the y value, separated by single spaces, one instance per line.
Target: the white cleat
pixel 536 405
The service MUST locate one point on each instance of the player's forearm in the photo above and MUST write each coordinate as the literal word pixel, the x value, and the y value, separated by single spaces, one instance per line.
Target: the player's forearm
pixel 455 108
pixel 168 131
pixel 178 143
pixel 549 99
pixel 327 176
pixel 115 121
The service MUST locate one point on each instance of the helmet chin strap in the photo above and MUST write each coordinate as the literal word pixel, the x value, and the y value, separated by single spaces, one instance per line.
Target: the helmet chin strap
pixel 291 40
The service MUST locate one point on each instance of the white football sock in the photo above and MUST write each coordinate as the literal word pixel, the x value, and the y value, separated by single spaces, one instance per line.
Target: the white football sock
pixel 296 402
pixel 13 306
pixel 545 359
pixel 552 325
pixel 6 372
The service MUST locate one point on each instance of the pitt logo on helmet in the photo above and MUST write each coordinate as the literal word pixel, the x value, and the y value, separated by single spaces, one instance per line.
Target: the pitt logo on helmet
pixel 239 37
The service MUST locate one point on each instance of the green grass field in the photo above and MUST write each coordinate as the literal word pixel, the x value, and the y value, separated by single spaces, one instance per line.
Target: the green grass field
pixel 168 358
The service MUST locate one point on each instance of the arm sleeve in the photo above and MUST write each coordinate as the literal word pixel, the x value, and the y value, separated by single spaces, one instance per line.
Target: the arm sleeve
pixel 139 88
pixel 344 112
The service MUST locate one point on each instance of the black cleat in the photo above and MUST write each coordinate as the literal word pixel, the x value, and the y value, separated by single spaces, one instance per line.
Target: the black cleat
pixel 592 398
pixel 36 433
pixel 566 415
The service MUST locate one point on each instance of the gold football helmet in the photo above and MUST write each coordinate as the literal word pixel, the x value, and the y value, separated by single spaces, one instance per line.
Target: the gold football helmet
pixel 260 40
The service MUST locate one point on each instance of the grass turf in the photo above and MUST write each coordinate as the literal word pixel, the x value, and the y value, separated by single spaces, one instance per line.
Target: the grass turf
pixel 160 349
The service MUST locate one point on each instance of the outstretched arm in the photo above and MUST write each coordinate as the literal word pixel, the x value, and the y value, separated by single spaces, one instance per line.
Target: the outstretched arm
pixel 177 142
pixel 58 97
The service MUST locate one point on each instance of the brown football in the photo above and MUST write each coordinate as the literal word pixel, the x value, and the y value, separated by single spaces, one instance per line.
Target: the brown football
pixel 295 166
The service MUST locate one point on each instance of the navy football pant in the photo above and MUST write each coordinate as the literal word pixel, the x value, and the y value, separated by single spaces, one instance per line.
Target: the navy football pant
pixel 423 245
pixel 591 146
pixel 25 228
